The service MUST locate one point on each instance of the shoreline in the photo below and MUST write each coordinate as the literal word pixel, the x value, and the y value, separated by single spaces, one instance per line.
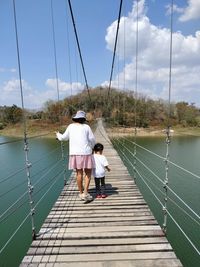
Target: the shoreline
pixel 111 131
pixel 151 132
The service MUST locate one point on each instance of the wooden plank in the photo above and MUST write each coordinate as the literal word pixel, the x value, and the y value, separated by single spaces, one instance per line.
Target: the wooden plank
pixel 86 249
pixel 98 257
pixel 124 263
pixel 96 242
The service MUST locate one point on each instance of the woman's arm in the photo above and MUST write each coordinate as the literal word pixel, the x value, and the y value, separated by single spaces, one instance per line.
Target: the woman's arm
pixel 64 136
pixel 91 137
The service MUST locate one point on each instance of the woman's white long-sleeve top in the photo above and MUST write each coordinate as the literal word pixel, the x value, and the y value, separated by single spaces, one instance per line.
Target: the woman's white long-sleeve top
pixel 81 139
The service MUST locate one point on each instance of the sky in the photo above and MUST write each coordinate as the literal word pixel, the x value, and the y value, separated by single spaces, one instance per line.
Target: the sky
pixel 96 22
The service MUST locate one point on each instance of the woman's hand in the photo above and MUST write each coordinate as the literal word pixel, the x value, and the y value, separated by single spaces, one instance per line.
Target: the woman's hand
pixel 57 135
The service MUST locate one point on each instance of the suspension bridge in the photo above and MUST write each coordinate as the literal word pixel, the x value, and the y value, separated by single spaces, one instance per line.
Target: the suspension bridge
pixel 121 229
pixel 117 231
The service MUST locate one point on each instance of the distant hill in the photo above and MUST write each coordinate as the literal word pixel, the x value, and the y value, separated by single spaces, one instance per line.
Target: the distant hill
pixel 118 108
pixel 122 108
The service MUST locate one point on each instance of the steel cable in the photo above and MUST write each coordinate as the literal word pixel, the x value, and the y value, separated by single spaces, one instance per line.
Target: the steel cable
pixel 159 179
pixel 79 49
pixel 115 47
pixel 33 163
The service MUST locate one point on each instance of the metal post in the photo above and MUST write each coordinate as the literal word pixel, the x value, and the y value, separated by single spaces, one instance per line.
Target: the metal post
pixel 28 165
pixel 135 152
pixel 136 88
pixel 64 163
pixel 165 186
pixel 30 187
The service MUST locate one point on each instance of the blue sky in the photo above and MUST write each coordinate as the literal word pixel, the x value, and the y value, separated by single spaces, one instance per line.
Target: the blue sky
pixel 96 25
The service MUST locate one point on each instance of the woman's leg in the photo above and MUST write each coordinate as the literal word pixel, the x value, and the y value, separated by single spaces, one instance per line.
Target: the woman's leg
pixel 79 179
pixel 88 173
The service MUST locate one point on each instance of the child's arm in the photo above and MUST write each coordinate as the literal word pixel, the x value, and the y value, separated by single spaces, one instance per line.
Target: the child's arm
pixel 107 168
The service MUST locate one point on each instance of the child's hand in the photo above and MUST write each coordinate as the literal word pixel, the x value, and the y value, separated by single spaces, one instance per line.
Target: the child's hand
pixel 108 169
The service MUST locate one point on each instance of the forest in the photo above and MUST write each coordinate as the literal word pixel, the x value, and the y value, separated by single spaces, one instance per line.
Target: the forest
pixel 118 108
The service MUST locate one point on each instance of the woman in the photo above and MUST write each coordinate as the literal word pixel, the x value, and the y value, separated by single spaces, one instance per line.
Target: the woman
pixel 81 142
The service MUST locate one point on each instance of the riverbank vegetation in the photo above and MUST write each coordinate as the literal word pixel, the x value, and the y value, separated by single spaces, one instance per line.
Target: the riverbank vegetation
pixel 120 109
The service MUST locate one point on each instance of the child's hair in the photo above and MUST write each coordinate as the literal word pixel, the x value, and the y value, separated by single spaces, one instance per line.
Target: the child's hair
pixel 98 147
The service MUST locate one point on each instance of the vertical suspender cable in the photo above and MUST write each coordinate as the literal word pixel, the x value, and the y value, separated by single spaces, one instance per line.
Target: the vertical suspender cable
pixel 57 87
pixel 55 55
pixel 71 109
pixel 135 96
pixel 124 83
pixel 168 130
pixel 26 147
pixel 79 49
pixel 115 46
pixel 69 54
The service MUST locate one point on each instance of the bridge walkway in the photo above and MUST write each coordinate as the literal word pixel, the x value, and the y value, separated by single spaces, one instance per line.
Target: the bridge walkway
pixel 113 232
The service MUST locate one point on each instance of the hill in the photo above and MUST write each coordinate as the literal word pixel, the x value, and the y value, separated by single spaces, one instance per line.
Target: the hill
pixel 118 108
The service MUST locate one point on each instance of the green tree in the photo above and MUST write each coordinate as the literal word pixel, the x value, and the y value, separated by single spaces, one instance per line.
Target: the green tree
pixel 12 114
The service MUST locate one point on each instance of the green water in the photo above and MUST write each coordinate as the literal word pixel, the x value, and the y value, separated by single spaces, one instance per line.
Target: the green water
pixel 43 153
pixel 183 151
pixel 47 179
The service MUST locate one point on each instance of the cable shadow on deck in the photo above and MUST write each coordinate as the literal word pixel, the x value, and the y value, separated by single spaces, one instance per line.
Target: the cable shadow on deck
pixel 110 190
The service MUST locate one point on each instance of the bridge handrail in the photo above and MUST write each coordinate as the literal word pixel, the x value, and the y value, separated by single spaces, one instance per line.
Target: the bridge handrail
pixel 14 233
pixel 153 193
pixel 53 179
pixel 24 168
pixel 161 157
pixel 11 206
pixel 17 201
pixel 38 202
pixel 21 139
pixel 179 227
pixel 160 180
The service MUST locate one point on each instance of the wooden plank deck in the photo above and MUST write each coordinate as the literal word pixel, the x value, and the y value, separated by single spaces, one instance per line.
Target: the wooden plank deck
pixel 113 232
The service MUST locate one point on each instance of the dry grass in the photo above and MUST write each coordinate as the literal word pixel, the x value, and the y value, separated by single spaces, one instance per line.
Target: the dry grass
pixel 152 131
pixel 37 128
pixel 33 128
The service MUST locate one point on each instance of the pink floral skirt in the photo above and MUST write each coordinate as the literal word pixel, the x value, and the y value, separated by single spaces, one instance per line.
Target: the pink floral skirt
pixel 81 162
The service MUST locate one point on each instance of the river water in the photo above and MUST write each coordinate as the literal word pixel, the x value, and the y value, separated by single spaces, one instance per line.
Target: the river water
pixel 48 179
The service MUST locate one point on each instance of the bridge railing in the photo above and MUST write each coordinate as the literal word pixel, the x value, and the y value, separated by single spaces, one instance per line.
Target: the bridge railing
pixel 183 214
pixel 47 174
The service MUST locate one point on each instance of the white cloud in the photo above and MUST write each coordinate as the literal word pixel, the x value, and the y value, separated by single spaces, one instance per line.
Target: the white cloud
pixel 35 98
pixel 192 11
pixel 11 93
pixel 65 89
pixel 176 9
pixel 7 70
pixel 154 56
pixel 138 10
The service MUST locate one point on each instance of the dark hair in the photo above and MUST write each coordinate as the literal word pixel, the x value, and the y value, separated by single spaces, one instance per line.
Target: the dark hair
pixel 98 147
pixel 80 120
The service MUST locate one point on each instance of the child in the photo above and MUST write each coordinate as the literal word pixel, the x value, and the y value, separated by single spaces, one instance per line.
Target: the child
pixel 101 164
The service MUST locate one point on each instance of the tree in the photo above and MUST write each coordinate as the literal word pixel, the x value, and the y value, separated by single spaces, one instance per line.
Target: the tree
pixel 181 108
pixel 187 114
pixel 13 114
